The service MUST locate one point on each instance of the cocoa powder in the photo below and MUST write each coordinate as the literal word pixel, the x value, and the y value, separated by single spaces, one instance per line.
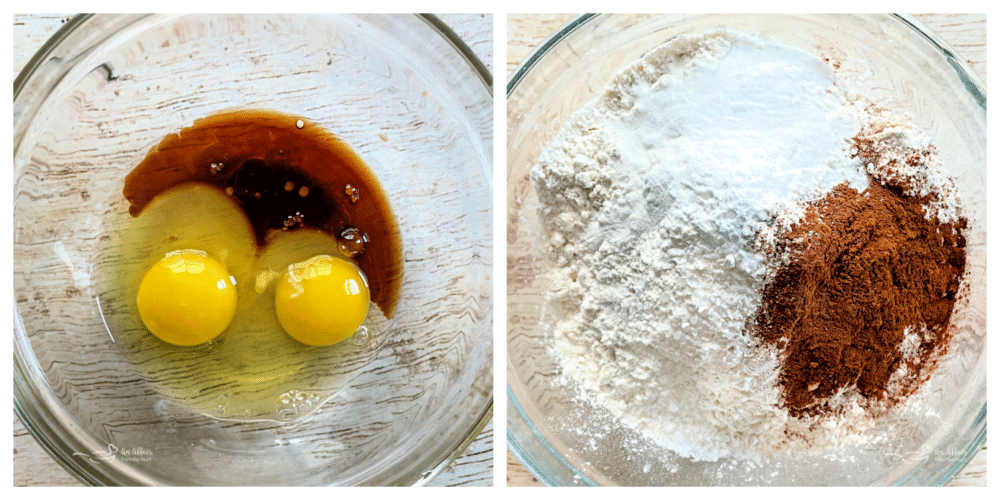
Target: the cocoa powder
pixel 861 269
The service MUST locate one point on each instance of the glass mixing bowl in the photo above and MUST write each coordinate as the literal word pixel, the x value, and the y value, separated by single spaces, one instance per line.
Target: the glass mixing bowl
pixel 562 440
pixel 394 406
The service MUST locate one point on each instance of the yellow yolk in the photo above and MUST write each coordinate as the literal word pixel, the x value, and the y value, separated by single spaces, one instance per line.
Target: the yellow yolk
pixel 321 301
pixel 187 298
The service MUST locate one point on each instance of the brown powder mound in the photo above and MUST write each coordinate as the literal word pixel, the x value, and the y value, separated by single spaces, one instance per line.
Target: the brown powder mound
pixel 862 268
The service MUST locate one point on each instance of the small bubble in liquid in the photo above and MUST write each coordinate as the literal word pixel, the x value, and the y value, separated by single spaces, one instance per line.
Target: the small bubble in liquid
pixel 300 124
pixel 292 220
pixel 353 193
pixel 216 167
pixel 352 241
pixel 361 336
pixel 289 186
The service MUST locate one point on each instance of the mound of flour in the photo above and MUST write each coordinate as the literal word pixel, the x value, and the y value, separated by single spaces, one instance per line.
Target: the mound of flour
pixel 655 198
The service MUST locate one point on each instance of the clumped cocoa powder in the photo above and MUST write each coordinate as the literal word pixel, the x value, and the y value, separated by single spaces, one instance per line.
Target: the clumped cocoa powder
pixel 861 269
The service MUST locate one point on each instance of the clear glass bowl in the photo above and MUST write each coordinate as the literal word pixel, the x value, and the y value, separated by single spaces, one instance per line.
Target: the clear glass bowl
pixel 555 436
pixel 406 94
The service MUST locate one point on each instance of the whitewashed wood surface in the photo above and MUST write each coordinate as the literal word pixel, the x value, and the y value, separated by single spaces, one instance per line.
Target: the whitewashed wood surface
pixel 32 466
pixel 966 33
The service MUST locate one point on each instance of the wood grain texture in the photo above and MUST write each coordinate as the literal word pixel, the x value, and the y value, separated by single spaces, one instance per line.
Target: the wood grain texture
pixel 966 33
pixel 33 466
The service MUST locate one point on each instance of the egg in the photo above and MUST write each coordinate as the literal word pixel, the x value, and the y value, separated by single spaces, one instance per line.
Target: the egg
pixel 188 216
pixel 321 301
pixel 187 298
pixel 256 368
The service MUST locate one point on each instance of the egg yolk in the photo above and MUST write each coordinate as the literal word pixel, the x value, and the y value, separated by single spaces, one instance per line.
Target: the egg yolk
pixel 321 301
pixel 187 298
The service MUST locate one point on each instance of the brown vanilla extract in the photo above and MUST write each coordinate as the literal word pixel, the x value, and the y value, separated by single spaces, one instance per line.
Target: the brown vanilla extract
pixel 285 173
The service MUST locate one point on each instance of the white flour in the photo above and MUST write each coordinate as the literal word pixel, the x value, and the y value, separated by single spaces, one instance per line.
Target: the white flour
pixel 654 198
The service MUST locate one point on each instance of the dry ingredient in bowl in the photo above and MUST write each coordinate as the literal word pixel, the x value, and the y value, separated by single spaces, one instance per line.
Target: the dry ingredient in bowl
pixel 705 212
pixel 865 296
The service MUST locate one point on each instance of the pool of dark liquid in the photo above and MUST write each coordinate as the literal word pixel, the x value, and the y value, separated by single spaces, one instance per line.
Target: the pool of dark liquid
pixel 285 173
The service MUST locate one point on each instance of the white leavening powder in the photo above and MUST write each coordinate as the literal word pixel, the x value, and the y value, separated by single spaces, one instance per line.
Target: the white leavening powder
pixel 654 199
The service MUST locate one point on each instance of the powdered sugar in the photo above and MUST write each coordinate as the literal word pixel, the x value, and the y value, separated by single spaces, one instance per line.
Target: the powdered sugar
pixel 656 199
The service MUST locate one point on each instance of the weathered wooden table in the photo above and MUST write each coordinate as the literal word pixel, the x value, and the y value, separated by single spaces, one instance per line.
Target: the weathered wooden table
pixel 966 33
pixel 34 467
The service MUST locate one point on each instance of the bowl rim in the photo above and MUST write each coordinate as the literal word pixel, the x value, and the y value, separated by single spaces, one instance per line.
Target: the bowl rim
pixel 972 83
pixel 27 401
